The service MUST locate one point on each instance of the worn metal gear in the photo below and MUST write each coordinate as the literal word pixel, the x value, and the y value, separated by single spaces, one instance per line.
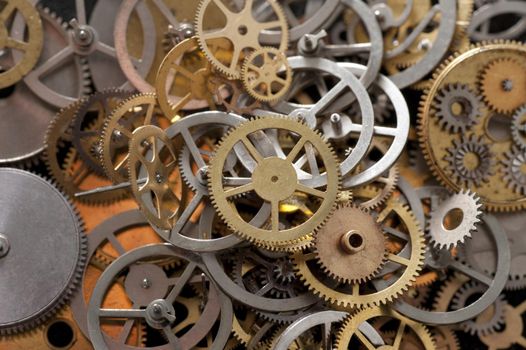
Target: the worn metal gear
pixel 502 84
pixel 342 243
pixel 471 161
pixel 239 32
pixel 454 220
pixel 44 218
pixel 266 74
pixel 518 128
pixel 274 179
pixel 514 164
pixel 457 107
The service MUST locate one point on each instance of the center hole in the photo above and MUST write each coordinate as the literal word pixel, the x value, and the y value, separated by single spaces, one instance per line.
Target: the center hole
pixel 453 219
pixel 274 178
pixel 60 335
pixel 355 240
pixel 457 108
pixel 242 29
pixel 471 161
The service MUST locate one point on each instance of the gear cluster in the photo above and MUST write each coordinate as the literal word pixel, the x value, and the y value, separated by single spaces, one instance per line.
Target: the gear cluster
pixel 261 174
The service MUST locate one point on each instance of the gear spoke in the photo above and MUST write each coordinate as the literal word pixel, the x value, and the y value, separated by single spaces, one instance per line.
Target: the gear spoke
pixel 312 191
pixel 122 313
pixel 363 339
pixel 239 190
pixel 181 281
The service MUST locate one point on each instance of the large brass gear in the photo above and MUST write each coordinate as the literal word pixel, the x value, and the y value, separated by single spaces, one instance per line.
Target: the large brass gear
pixel 343 243
pixel 356 295
pixel 239 33
pixel 350 329
pixel 266 74
pixel 465 68
pixel 503 84
pixel 273 181
pixel 31 48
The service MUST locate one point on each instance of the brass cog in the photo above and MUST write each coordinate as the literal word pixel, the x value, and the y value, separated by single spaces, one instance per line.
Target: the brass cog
pixel 273 181
pixel 263 73
pixel 503 85
pixel 342 244
pixel 349 329
pixel 512 332
pixel 239 33
pixel 360 294
pixel 31 48
pixel 235 98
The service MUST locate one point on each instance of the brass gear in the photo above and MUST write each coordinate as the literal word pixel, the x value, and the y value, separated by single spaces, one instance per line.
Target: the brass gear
pixel 503 84
pixel 31 48
pixel 273 181
pixel 266 74
pixel 341 245
pixel 235 98
pixel 512 332
pixel 239 33
pixel 354 295
pixel 350 326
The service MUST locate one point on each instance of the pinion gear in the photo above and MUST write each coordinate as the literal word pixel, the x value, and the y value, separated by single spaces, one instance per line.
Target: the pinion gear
pixel 457 107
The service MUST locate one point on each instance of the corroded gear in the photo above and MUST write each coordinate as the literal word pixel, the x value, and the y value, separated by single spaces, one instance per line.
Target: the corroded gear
pixel 31 46
pixel 467 206
pixel 503 84
pixel 349 329
pixel 457 107
pixel 410 260
pixel 273 180
pixel 350 237
pixel 487 322
pixel 239 32
pixel 266 74
pixel 518 128
pixel 514 164
pixel 471 161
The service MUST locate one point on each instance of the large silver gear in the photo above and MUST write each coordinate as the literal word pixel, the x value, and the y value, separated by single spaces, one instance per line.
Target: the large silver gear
pixel 518 128
pixel 37 222
pixel 464 100
pixel 515 170
pixel 469 207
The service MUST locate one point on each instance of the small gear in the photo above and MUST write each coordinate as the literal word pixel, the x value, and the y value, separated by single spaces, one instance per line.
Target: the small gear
pixel 470 160
pixel 457 107
pixel 518 128
pixel 342 243
pixel 503 85
pixel 515 170
pixel 266 74
pixel 467 207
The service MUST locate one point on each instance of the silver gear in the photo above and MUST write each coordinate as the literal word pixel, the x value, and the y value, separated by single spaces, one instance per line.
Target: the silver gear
pixel 518 128
pixel 470 206
pixel 465 99
pixel 38 221
pixel 473 326
pixel 476 149
pixel 515 170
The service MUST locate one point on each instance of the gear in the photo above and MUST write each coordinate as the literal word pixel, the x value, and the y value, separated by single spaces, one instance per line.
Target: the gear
pixel 407 262
pixel 490 320
pixel 512 333
pixel 342 243
pixel 502 85
pixel 235 99
pixel 447 231
pixel 44 218
pixel 274 180
pixel 31 48
pixel 406 328
pixel 457 107
pixel 225 45
pixel 266 74
pixel 515 170
pixel 518 128
pixel 471 161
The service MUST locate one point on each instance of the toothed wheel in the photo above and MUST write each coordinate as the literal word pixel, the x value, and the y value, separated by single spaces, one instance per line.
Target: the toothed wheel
pixel 35 280
pixel 273 180
pixel 457 107
pixel 454 220
pixel 515 170
pixel 518 128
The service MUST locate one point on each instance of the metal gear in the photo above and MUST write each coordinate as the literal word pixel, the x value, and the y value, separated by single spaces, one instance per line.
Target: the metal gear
pixel 514 164
pixel 471 161
pixel 266 74
pixel 31 46
pixel 232 95
pixel 239 32
pixel 502 85
pixel 513 331
pixel 51 223
pixel 274 179
pixel 445 231
pixel 457 107
pixel 342 243
pixel 518 128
